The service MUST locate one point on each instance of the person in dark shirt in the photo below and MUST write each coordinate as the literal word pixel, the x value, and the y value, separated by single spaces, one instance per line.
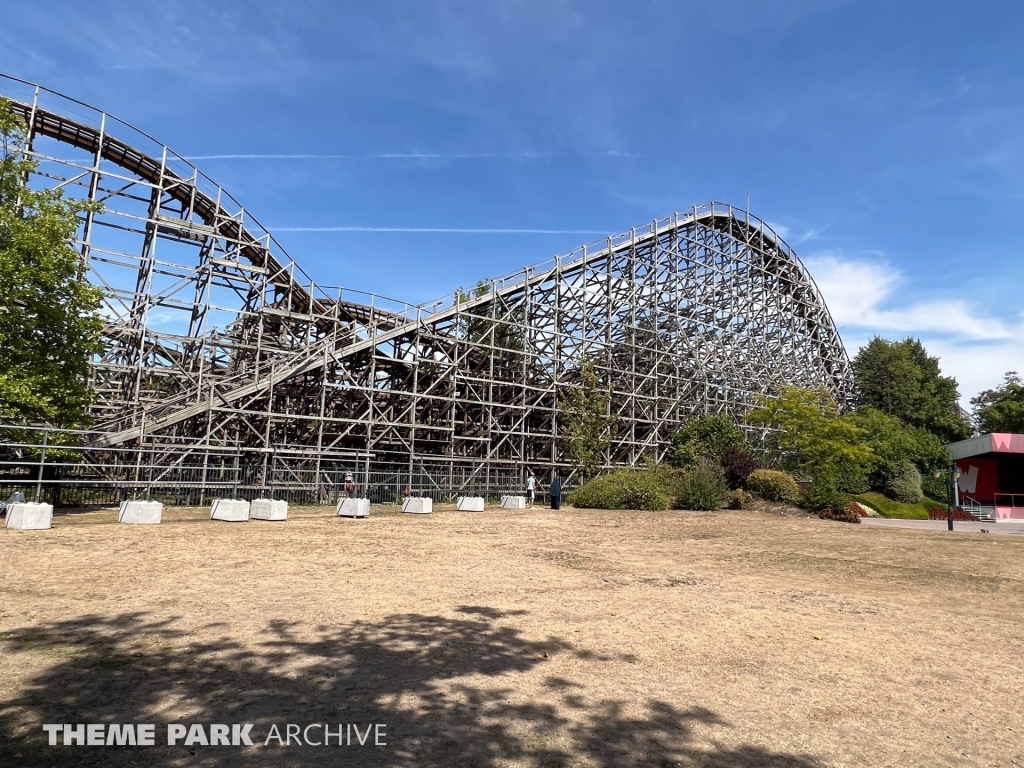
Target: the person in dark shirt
pixel 555 492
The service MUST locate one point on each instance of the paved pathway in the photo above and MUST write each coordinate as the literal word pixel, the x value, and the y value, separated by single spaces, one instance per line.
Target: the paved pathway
pixel 1015 528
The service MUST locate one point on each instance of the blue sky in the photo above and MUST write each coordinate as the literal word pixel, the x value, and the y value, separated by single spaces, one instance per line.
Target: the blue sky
pixel 884 140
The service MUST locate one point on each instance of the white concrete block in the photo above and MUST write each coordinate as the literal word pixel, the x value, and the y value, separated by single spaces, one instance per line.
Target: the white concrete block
pixel 230 510
pixel 470 504
pixel 268 509
pixel 513 502
pixel 140 512
pixel 416 506
pixel 29 516
pixel 354 508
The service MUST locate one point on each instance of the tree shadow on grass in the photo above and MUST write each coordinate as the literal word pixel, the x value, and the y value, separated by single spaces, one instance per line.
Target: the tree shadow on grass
pixel 417 674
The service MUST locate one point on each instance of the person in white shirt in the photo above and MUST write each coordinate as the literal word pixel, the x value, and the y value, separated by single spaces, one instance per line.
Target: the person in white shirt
pixel 531 490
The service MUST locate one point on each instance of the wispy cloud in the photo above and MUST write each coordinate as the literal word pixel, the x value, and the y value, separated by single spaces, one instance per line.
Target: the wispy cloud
pixel 793 236
pixel 455 230
pixel 265 157
pixel 859 293
pixel 864 298
pixel 413 156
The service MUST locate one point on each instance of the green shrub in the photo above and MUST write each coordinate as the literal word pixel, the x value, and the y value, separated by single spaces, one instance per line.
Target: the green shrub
pixel 851 480
pixel 823 494
pixel 773 485
pixel 702 487
pixel 738 499
pixel 905 485
pixel 705 437
pixel 888 508
pixel 643 491
pixel 934 487
pixel 622 489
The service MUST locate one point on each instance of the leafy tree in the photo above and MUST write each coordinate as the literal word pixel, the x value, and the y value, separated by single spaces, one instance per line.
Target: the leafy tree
pixel 808 436
pixel 894 443
pixel 705 437
pixel 900 378
pixel 1001 409
pixel 584 421
pixel 49 328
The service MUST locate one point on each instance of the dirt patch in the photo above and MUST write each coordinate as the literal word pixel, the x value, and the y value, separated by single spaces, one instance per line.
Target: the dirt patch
pixel 518 638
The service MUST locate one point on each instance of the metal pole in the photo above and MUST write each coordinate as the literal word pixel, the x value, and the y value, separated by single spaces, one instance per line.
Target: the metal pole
pixel 949 499
pixel 42 462
pixel 149 484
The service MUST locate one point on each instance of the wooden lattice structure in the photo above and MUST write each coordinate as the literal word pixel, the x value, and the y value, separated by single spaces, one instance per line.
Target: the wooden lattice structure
pixel 215 337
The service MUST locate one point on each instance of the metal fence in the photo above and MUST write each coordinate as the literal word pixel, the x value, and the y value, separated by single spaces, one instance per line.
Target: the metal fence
pixel 61 468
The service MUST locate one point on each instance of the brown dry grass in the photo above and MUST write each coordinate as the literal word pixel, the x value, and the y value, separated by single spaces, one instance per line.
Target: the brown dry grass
pixel 734 639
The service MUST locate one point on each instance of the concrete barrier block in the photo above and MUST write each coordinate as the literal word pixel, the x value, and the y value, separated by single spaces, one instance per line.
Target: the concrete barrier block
pixel 354 508
pixel 416 506
pixel 230 510
pixel 140 512
pixel 29 516
pixel 513 502
pixel 470 504
pixel 268 509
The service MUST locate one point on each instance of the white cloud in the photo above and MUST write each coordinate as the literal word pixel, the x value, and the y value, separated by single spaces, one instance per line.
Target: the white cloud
pixel 974 346
pixel 791 236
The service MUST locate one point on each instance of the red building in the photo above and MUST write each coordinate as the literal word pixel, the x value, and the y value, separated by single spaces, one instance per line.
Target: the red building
pixel 991 475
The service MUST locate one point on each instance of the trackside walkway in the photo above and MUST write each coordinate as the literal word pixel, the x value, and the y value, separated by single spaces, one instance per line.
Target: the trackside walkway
pixel 1005 529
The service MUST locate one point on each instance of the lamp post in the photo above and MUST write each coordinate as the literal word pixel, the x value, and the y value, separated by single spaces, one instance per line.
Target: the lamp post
pixel 954 475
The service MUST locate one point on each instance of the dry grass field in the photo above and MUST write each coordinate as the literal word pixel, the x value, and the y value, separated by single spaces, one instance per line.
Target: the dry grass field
pixel 536 638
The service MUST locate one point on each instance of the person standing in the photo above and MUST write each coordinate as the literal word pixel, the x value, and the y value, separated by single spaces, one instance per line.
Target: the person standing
pixel 555 491
pixel 531 490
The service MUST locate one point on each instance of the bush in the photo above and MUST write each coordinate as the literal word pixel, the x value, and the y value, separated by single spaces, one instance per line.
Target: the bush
pixel 643 491
pixel 888 508
pixel 851 480
pixel 905 485
pixel 705 437
pixel 823 494
pixel 623 489
pixel 846 514
pixel 934 487
pixel 702 487
pixel 773 485
pixel 738 499
pixel 738 463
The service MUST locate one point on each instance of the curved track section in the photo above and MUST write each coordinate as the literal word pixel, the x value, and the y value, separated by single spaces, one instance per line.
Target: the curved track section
pixel 198 293
pixel 216 337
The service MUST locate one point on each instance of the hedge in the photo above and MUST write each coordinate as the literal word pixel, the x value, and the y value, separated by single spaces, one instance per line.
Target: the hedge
pixel 773 485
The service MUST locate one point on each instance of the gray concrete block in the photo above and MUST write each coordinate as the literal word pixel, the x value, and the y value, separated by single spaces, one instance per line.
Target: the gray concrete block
pixel 29 516
pixel 230 510
pixel 513 502
pixel 140 512
pixel 416 506
pixel 268 509
pixel 470 504
pixel 354 508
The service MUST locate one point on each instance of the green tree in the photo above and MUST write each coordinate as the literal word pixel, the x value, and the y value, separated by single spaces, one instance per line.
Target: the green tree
pixel 894 443
pixel 1001 409
pixel 49 327
pixel 584 422
pixel 808 436
pixel 705 437
pixel 900 378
